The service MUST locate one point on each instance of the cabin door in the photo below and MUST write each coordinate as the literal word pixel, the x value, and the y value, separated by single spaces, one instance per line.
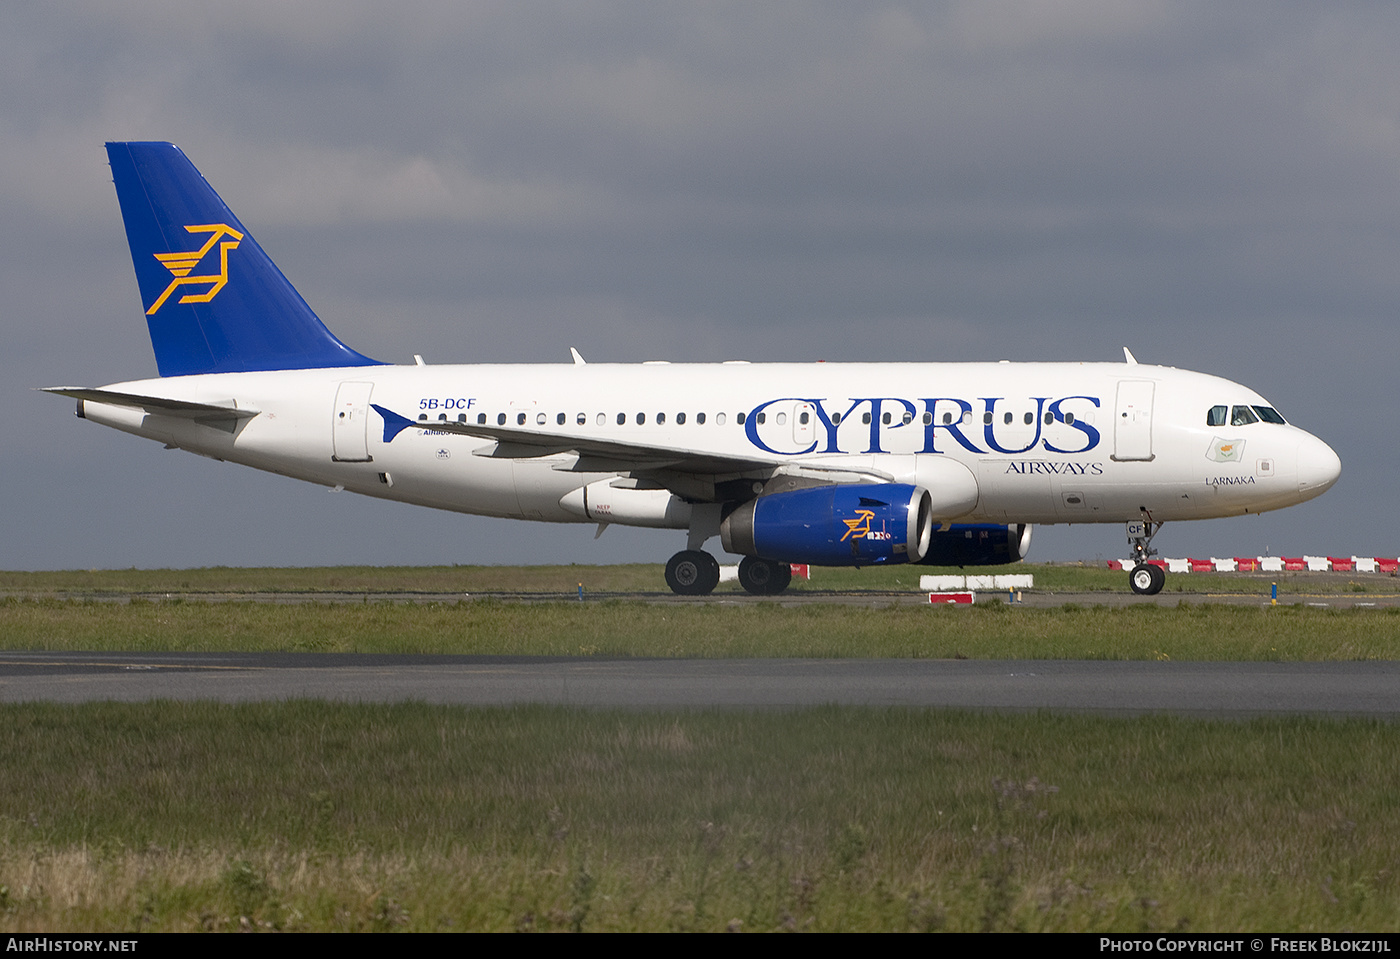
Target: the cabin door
pixel 1132 421
pixel 350 425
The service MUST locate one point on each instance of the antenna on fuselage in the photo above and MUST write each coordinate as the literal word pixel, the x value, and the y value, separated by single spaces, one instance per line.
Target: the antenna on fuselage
pixel 578 357
pixel 1128 357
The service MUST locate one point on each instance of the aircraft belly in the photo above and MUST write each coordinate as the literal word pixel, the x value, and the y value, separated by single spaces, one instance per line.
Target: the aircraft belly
pixel 1011 492
pixel 540 487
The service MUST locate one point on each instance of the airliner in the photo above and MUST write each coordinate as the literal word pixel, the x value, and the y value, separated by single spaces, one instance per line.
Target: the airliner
pixel 826 464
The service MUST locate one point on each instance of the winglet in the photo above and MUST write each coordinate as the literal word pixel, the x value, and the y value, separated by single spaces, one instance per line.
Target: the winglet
pixel 394 424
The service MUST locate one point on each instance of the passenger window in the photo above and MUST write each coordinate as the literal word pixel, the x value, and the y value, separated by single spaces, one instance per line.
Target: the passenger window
pixel 762 418
pixel 481 419
pixel 461 417
pixel 539 419
pixel 700 419
pixel 1007 419
pixel 641 419
pixel 865 419
pixel 1049 418
pixel 947 419
pixel 621 419
pixel 1242 416
pixel 885 419
pixel 782 419
pixel 680 419
pixel 602 419
pixel 739 418
pixel 1216 416
pixel 835 419
pixel 560 419
pixel 719 419
pixel 1030 418
pixel 519 419
pixel 987 418
pixel 500 419
pixel 660 419
pixel 582 418
pixel 1069 419
pixel 805 418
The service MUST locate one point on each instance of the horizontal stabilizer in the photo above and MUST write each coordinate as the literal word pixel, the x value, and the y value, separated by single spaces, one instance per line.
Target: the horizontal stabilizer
pixel 156 405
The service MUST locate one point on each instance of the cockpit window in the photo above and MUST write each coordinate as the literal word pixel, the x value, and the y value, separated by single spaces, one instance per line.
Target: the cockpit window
pixel 1216 416
pixel 1268 414
pixel 1242 416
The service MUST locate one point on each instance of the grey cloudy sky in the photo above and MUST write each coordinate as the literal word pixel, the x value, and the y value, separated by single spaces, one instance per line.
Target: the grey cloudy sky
pixel 1215 186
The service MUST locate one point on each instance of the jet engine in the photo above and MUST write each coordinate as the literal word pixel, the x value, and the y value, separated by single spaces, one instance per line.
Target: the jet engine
pixel 978 544
pixel 853 525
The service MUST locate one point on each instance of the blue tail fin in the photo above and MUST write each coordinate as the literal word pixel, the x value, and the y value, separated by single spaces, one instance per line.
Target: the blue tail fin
pixel 214 301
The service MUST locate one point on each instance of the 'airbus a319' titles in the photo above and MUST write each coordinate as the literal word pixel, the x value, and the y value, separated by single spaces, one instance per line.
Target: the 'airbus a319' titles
pixel 829 464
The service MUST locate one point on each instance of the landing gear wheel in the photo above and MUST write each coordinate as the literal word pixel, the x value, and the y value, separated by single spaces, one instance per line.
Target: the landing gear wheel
pixel 1146 579
pixel 764 577
pixel 692 572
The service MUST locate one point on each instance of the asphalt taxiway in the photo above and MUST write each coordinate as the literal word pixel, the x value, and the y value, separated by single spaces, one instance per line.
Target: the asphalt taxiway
pixel 1119 688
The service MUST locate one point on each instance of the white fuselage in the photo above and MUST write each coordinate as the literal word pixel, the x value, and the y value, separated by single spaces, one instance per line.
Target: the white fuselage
pixel 993 442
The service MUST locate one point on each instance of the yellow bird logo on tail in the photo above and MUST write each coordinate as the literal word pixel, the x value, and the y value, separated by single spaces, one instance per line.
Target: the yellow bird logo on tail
pixel 182 264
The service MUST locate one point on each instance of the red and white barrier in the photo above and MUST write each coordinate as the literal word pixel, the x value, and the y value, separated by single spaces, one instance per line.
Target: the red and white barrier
pixel 1272 564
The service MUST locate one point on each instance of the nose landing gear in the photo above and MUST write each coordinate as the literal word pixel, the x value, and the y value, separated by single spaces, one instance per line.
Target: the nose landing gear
pixel 1145 579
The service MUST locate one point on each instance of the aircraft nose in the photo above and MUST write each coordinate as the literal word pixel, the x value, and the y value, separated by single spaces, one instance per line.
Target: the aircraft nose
pixel 1318 466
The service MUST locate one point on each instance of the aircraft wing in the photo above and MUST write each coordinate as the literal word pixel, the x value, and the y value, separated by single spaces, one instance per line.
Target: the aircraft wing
pixel 597 455
pixel 156 405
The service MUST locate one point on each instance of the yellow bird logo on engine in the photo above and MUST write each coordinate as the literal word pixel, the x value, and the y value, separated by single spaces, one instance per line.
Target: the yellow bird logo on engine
pixel 182 264
pixel 858 528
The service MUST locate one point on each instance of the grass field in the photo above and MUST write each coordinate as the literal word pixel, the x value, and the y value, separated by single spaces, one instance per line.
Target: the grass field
pixel 311 816
pixel 631 628
pixel 565 580
pixel 170 610
pixel 319 816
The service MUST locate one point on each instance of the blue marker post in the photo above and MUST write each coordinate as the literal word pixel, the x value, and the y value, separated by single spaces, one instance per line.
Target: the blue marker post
pixel 580 592
pixel 1273 595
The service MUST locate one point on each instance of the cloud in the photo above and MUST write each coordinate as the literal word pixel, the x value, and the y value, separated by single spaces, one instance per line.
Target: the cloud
pixel 1211 185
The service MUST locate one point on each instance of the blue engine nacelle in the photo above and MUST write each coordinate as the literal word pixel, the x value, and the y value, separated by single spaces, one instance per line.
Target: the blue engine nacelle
pixel 978 544
pixel 834 525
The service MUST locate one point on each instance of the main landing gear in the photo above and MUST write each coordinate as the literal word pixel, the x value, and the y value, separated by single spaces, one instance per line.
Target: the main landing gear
pixel 1145 579
pixel 694 572
pixel 764 577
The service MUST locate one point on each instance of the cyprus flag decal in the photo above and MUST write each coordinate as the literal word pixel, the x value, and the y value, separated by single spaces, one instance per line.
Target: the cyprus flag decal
pixel 1226 451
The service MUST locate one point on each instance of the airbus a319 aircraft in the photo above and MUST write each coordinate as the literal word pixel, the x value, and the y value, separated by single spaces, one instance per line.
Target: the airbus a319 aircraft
pixel 828 464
